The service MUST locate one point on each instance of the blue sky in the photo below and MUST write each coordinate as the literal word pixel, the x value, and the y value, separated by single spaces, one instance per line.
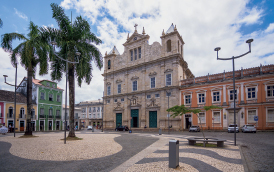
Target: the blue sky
pixel 203 25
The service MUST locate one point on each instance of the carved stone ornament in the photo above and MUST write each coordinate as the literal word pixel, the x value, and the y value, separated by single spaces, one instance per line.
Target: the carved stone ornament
pixel 153 103
pixel 118 81
pixel 152 73
pixel 108 83
pixel 118 107
pixel 134 78
pixel 168 70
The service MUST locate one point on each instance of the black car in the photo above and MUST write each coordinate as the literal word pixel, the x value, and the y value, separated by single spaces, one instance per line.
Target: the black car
pixel 122 128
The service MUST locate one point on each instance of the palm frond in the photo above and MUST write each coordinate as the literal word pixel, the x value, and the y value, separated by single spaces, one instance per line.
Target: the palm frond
pixel 6 41
pixel 62 20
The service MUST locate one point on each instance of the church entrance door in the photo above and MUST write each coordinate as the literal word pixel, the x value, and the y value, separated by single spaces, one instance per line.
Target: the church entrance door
pixel 134 120
pixel 118 119
pixel 153 119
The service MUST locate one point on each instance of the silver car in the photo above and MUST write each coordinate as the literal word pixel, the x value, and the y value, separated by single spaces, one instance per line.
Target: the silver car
pixel 231 128
pixel 249 128
pixel 194 128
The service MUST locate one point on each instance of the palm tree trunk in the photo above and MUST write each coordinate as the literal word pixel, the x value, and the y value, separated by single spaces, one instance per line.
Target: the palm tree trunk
pixel 29 101
pixel 71 99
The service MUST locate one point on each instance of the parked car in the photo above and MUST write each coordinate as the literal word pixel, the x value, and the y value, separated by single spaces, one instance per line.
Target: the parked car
pixel 90 128
pixel 194 128
pixel 122 128
pixel 249 128
pixel 231 128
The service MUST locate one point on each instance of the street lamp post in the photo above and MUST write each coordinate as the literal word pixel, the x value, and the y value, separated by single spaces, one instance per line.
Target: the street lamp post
pixel 234 92
pixel 102 110
pixel 15 86
pixel 168 94
pixel 67 61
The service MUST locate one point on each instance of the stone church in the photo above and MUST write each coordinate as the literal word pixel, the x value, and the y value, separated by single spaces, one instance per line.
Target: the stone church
pixel 143 81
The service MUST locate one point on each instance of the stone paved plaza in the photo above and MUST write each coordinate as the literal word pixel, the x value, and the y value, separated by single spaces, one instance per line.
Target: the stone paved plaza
pixel 121 151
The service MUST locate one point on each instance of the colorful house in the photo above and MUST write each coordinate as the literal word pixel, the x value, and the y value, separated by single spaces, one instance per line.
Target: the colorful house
pixel 7 110
pixel 254 98
pixel 48 98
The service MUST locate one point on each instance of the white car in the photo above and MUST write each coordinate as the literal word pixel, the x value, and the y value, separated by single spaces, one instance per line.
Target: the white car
pixel 231 128
pixel 90 128
pixel 249 128
pixel 3 130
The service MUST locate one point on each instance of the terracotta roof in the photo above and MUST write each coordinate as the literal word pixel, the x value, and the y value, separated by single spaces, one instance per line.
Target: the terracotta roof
pixel 37 82
pixel 8 96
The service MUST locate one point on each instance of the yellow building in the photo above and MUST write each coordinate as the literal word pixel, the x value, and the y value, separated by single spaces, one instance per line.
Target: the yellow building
pixel 7 106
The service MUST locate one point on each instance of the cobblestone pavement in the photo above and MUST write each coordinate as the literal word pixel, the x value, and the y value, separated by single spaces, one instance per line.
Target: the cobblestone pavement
pixel 149 152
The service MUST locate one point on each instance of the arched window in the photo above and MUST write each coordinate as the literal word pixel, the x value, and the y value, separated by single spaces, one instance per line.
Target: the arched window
pixel 22 112
pixel 181 49
pixel 168 45
pixel 10 112
pixel 109 64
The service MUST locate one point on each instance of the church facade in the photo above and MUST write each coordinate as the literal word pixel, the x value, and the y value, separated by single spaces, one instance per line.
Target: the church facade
pixel 143 81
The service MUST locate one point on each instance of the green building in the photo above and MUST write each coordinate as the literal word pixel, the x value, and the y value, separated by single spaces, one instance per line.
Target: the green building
pixel 48 98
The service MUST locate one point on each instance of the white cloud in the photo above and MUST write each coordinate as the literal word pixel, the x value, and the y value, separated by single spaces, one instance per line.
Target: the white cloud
pixel 20 14
pixel 203 25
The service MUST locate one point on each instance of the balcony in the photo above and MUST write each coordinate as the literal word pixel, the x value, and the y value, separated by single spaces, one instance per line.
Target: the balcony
pixel 9 115
pixel 33 116
pixel 22 116
pixel 42 116
pixel 50 116
pixel 58 117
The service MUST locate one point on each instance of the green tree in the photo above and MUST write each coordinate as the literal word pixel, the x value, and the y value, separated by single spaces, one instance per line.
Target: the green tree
pixel 181 110
pixel 32 51
pixel 72 37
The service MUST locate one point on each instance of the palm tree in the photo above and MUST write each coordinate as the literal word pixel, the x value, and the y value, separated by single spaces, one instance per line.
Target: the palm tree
pixel 71 38
pixel 32 51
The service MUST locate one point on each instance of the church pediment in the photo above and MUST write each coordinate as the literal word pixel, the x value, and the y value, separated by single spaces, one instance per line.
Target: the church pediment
pixel 135 37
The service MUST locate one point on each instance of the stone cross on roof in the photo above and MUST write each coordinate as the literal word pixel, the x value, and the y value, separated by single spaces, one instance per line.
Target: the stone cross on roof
pixel 135 27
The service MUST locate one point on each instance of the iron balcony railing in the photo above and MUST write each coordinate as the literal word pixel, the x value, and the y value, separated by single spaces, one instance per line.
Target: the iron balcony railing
pixel 41 116
pixel 58 117
pixel 9 115
pixel 22 116
pixel 50 116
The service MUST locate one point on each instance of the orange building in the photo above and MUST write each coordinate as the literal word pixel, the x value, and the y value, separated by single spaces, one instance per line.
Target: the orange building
pixel 254 94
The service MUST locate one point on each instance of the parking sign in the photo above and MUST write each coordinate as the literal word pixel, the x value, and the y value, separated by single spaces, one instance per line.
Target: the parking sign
pixel 255 118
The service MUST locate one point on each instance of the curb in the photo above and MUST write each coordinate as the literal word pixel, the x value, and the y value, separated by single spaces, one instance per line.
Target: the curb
pixel 246 166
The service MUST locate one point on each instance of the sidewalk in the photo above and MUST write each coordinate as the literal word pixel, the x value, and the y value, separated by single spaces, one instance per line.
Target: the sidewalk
pixel 192 158
pixel 112 151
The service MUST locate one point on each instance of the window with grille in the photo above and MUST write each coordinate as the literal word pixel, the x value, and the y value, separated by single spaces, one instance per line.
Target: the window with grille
pixel 109 90
pixel 231 95
pixel 187 99
pixel 139 52
pixel 122 99
pixel 42 96
pixel 148 96
pixel 119 88
pixel 109 64
pixel 251 93
pixel 216 96
pixel 201 98
pixel 134 85
pixel 131 52
pixel 156 95
pixel 168 79
pixel 270 91
pixel 153 82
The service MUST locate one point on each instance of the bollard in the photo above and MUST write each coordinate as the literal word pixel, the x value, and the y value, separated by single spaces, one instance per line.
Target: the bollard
pixel 159 131
pixel 173 153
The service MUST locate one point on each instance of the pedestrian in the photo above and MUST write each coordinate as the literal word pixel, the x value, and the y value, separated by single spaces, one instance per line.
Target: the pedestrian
pixel 9 128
